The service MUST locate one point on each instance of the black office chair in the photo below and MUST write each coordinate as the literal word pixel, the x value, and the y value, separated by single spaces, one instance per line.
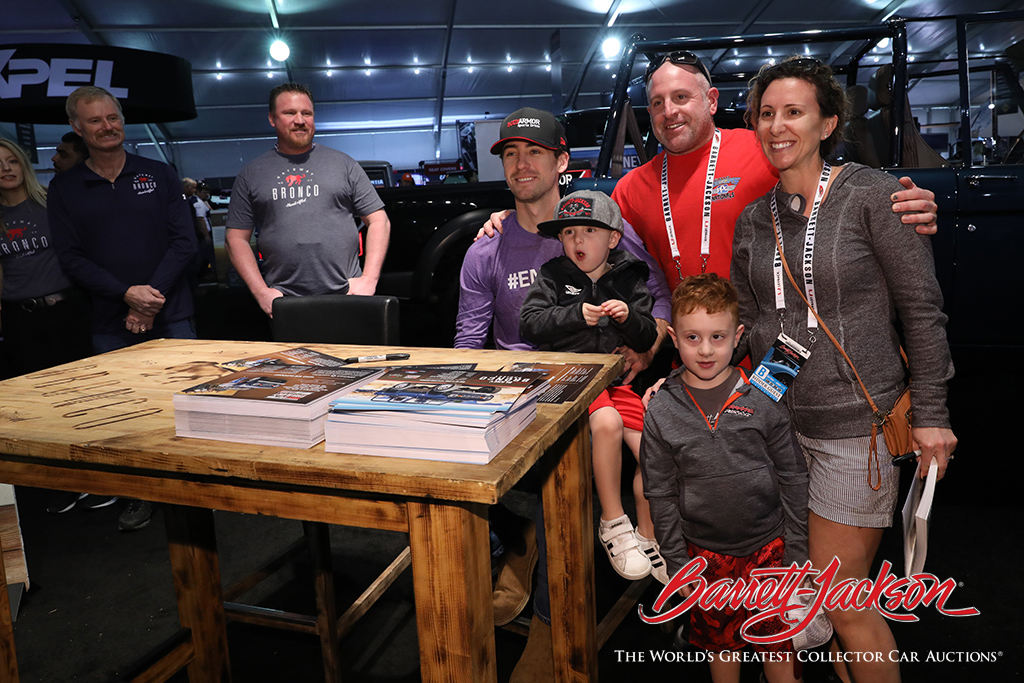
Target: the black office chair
pixel 327 319
pixel 336 319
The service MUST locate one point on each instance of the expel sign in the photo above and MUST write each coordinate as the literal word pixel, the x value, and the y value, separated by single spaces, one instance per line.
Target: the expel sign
pixel 36 79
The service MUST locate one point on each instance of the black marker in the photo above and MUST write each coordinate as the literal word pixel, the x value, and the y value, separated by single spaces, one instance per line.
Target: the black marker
pixel 383 356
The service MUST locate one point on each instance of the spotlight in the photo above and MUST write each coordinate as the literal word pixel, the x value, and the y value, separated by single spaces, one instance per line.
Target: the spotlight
pixel 611 47
pixel 279 50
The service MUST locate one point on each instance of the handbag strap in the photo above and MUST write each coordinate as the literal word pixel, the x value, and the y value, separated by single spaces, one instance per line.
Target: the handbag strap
pixel 880 417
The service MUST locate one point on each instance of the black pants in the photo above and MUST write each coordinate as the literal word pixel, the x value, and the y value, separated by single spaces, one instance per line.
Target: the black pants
pixel 45 336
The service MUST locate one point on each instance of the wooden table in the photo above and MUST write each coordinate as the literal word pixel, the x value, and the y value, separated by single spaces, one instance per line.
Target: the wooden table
pixel 105 425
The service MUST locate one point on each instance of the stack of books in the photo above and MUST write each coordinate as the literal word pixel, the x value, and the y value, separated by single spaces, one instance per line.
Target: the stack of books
pixel 269 402
pixel 464 416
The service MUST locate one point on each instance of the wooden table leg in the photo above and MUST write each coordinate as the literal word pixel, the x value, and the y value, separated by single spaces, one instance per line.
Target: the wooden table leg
pixel 196 569
pixel 568 515
pixel 451 573
pixel 319 540
pixel 8 657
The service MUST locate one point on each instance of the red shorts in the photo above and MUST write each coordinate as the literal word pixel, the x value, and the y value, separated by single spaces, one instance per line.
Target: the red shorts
pixel 719 630
pixel 626 402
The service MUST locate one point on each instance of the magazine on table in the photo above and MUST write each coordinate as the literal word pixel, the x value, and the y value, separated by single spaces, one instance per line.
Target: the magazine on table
pixel 297 356
pixel 566 381
pixel 434 414
pixel 430 391
pixel 283 405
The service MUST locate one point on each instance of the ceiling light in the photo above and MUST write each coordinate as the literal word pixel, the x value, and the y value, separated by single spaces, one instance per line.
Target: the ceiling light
pixel 270 74
pixel 883 43
pixel 367 72
pixel 470 69
pixel 611 47
pixel 366 61
pixel 469 60
pixel 328 61
pixel 330 73
pixel 769 51
pixel 416 71
pixel 991 105
pixel 607 66
pixel 508 58
pixel 415 60
pixel 220 76
pixel 547 68
pixel 218 63
pixel 279 50
pixel 510 69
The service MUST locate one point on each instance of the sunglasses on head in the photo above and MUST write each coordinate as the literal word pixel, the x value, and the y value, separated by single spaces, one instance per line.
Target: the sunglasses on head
pixel 681 57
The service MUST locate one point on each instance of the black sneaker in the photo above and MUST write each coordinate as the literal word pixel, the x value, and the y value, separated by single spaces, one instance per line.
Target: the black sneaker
pixel 136 516
pixel 63 501
pixel 93 502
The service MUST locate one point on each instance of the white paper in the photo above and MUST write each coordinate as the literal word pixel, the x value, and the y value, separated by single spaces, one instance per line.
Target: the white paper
pixel 917 512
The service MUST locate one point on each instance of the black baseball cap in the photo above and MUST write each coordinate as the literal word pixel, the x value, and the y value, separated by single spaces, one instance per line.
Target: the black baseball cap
pixel 585 207
pixel 531 125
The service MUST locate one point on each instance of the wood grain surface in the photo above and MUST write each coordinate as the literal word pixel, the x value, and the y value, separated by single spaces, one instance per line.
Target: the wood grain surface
pixel 114 412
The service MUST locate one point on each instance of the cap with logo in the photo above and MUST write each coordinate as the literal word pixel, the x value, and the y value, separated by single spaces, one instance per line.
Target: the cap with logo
pixel 531 125
pixel 585 207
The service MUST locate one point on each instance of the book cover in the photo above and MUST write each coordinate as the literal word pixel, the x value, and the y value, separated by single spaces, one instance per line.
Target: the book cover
pixel 297 356
pixel 917 512
pixel 288 391
pixel 429 390
pixel 566 381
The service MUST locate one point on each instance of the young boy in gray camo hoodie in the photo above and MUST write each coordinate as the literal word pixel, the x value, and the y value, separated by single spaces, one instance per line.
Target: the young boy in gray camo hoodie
pixel 723 473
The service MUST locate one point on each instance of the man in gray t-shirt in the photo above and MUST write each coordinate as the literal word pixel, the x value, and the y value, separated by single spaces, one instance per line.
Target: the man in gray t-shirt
pixel 303 200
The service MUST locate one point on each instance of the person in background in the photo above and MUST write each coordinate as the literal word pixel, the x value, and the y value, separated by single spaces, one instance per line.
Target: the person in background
pixel 70 151
pixel 197 194
pixel 304 201
pixel 124 235
pixel 862 274
pixel 44 318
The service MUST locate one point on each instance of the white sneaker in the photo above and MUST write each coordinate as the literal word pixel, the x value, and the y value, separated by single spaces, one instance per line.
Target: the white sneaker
pixel 623 548
pixel 652 550
pixel 817 633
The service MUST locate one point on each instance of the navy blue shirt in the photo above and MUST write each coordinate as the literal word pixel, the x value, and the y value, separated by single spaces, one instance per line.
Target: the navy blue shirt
pixel 137 230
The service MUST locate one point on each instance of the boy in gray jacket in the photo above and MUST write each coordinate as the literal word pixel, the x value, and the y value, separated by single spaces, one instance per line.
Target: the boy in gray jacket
pixel 593 300
pixel 723 472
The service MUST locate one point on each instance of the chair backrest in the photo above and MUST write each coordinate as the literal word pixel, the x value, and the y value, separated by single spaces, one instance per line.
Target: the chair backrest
pixel 336 319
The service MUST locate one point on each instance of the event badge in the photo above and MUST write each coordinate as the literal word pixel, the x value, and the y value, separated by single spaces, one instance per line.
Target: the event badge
pixel 779 367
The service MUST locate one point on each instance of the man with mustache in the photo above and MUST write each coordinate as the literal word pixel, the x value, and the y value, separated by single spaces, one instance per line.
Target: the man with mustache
pixel 305 202
pixel 124 234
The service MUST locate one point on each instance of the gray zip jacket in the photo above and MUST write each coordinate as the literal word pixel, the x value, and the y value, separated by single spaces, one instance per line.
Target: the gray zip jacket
pixel 730 487
pixel 870 271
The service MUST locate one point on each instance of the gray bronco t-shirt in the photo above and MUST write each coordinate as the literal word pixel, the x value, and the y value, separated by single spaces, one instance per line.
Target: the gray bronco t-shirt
pixel 305 209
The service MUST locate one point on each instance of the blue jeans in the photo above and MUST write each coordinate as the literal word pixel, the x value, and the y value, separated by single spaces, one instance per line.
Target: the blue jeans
pixel 111 341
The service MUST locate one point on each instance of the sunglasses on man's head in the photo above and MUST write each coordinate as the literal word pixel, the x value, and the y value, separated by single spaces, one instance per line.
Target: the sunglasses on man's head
pixel 681 57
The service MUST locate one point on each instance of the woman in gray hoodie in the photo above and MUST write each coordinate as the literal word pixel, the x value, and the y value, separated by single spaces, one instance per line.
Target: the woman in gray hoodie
pixel 862 272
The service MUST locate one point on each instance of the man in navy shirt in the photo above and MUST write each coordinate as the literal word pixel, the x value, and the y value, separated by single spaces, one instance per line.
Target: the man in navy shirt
pixel 124 234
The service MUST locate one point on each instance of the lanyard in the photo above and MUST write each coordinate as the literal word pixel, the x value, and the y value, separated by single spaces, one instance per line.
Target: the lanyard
pixel 705 232
pixel 808 267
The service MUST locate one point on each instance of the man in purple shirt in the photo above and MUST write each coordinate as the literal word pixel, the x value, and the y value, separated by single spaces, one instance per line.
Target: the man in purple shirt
pixel 496 274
